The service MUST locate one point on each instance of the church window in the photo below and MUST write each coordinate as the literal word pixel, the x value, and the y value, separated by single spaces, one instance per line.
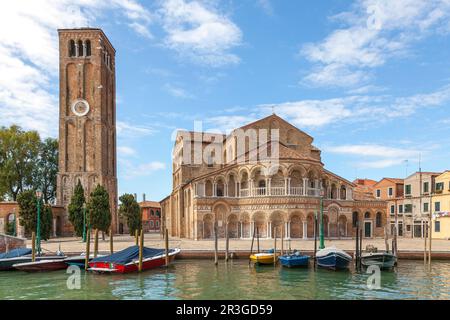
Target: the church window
pixel 88 48
pixel 72 50
pixel 80 48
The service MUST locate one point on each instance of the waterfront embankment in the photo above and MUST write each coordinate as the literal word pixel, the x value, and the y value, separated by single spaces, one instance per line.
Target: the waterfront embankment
pixel 240 248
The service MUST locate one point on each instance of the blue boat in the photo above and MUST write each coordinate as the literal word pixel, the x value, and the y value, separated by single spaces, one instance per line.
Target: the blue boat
pixel 293 260
pixel 333 258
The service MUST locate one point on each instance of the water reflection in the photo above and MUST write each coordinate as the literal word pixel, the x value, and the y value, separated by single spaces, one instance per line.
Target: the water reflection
pixel 201 279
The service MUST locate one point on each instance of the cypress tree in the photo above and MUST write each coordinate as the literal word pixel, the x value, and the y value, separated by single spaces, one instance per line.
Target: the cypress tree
pixel 99 210
pixel 129 210
pixel 76 209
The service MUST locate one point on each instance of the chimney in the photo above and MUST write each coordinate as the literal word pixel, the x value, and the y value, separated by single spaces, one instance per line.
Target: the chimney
pixel 143 197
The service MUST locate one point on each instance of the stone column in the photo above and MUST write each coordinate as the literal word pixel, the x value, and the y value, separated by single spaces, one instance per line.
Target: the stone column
pixel 289 187
pixel 252 228
pixel 268 186
pixel 338 196
pixel 236 189
pixel 349 194
pixel 250 187
pixel 305 230
pixel 286 186
pixel 269 230
pixel 225 192
pixel 305 186
pixel 286 230
pixel 214 193
pixel 54 227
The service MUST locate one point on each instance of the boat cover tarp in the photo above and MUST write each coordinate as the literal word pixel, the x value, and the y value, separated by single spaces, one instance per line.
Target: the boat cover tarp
pixel 129 254
pixel 15 253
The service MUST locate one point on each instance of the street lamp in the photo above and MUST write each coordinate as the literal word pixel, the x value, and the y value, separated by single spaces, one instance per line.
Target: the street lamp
pixel 322 242
pixel 84 222
pixel 38 224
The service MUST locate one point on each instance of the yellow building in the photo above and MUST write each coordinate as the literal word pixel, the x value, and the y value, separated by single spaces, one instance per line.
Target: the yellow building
pixel 441 206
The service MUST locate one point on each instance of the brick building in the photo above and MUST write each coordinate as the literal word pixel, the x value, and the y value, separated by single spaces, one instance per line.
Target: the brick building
pixel 9 220
pixel 87 117
pixel 242 195
pixel 151 216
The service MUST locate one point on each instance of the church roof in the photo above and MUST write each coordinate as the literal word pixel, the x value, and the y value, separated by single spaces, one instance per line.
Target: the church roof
pixel 273 117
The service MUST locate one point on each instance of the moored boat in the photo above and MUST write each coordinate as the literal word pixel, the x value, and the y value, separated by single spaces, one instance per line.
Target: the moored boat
pixel 127 260
pixel 295 259
pixel 7 259
pixel 263 258
pixel 23 255
pixel 42 265
pixel 384 260
pixel 79 260
pixel 333 258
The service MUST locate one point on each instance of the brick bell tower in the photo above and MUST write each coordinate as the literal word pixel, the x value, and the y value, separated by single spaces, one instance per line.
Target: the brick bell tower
pixel 87 116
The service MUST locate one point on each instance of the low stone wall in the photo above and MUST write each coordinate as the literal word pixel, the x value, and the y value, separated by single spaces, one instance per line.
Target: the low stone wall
pixel 11 242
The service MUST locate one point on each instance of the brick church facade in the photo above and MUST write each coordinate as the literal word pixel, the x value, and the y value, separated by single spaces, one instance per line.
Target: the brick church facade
pixel 243 196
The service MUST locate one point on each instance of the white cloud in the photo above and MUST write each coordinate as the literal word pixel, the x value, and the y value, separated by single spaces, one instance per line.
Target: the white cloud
pixel 177 92
pixel 266 6
pixel 127 151
pixel 225 124
pixel 200 32
pixel 376 31
pixel 141 170
pixel 29 54
pixel 128 130
pixel 376 156
pixel 357 108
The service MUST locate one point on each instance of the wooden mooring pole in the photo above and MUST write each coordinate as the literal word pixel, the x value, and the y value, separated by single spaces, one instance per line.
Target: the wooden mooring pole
pixel 282 241
pixel 136 236
pixel 227 241
pixel 275 246
pixel 425 235
pixel 357 245
pixel 111 240
pixel 216 236
pixel 166 240
pixel 88 248
pixel 257 237
pixel 315 240
pixel 251 247
pixel 96 243
pixel 141 249
pixel 33 246
pixel 360 246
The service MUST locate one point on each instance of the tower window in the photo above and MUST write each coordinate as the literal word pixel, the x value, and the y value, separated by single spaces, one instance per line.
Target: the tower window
pixel 72 50
pixel 88 48
pixel 80 48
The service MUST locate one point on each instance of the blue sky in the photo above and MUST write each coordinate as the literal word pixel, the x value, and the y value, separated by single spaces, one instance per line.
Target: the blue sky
pixel 369 80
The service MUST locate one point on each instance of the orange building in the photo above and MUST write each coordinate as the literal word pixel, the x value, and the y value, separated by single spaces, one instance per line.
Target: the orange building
pixel 364 189
pixel 388 188
pixel 151 216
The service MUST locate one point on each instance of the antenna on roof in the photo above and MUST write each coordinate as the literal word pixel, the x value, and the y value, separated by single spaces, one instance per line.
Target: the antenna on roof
pixel 273 109
pixel 406 161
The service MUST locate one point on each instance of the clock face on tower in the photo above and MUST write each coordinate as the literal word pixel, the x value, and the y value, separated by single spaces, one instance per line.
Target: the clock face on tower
pixel 80 107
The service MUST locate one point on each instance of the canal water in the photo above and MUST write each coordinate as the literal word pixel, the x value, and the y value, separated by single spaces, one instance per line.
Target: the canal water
pixel 200 279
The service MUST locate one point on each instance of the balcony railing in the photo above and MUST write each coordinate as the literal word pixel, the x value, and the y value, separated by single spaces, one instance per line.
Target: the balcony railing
pixel 296 191
pixel 274 191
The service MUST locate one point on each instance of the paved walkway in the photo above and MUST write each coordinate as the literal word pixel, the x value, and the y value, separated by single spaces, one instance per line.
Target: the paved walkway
pixel 74 245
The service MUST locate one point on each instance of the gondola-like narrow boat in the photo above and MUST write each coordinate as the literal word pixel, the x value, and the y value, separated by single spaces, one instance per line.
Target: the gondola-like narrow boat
pixel 333 258
pixel 295 259
pixel 42 265
pixel 127 260
pixel 18 256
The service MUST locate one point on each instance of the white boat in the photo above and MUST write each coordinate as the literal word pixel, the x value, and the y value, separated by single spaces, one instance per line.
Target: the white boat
pixel 333 258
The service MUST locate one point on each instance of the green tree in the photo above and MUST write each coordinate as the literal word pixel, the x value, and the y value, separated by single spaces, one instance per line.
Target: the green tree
pixel 18 155
pixel 129 210
pixel 99 210
pixel 46 169
pixel 76 213
pixel 27 201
